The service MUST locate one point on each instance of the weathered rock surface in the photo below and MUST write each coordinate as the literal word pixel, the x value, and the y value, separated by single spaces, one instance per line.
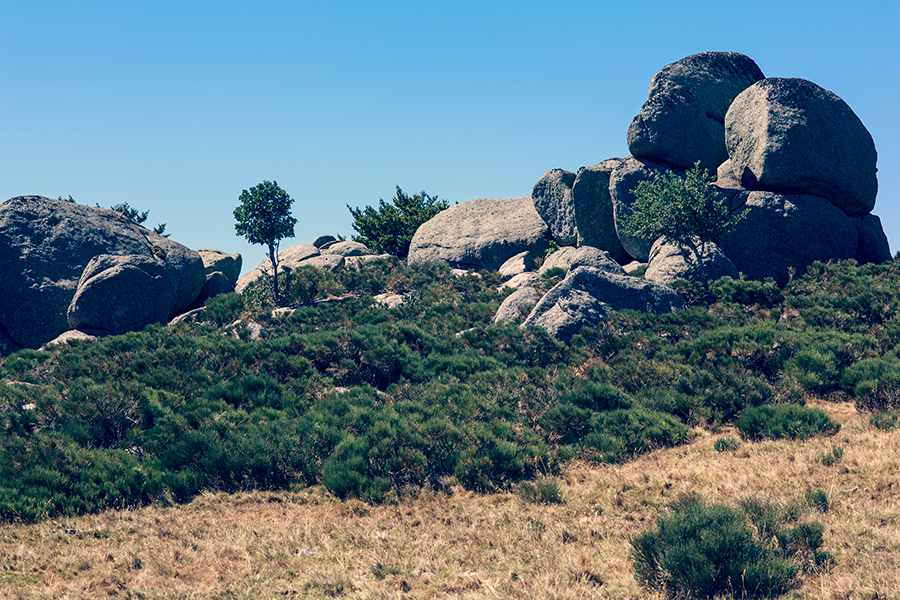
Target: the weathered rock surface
pixel 552 196
pixel 358 261
pixel 227 264
pixel 481 234
pixel 682 121
pixel 530 279
pixel 587 295
pixel 45 246
pixel 781 232
pixel 672 128
pixel 121 294
pixel 593 207
pixel 518 264
pixel 715 79
pixel 516 307
pixel 82 335
pixel 582 256
pixel 792 136
pixel 670 262
pixel 324 240
pixel 630 172
pixel 325 262
pixel 347 249
pixel 873 245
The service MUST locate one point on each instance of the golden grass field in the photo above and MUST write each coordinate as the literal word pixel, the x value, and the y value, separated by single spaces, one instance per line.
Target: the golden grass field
pixel 456 544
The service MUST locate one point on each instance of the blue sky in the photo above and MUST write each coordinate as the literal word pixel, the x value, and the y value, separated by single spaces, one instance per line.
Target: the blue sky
pixel 175 107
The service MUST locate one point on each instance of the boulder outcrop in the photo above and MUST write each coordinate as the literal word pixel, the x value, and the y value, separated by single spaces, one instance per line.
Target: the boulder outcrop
pixel 587 295
pixel 45 247
pixel 784 232
pixel 593 207
pixel 552 196
pixel 582 256
pixel 792 136
pixel 682 121
pixel 481 234
pixel 671 262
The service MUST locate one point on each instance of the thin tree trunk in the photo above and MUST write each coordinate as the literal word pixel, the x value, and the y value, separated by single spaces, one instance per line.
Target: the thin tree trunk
pixel 274 258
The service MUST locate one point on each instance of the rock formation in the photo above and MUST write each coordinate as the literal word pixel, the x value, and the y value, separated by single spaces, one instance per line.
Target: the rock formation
pixel 481 234
pixel 46 248
pixel 790 154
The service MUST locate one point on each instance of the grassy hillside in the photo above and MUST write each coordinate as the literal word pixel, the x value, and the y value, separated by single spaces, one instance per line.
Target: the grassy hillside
pixel 428 407
pixel 460 544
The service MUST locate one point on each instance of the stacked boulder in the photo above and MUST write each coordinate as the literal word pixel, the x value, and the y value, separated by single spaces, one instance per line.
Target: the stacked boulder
pixel 788 154
pixel 68 267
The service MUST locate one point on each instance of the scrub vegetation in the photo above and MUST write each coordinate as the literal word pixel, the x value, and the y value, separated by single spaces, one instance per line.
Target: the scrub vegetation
pixel 343 407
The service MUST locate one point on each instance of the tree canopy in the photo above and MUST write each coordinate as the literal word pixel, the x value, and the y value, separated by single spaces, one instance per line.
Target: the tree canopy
pixel 264 217
pixel 391 227
pixel 683 209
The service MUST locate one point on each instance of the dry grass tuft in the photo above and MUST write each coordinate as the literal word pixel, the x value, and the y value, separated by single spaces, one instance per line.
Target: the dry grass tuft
pixel 463 545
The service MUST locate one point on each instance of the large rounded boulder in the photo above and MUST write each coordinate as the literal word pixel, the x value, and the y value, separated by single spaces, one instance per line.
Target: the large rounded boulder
pixel 45 246
pixel 784 233
pixel 682 121
pixel 481 234
pixel 792 136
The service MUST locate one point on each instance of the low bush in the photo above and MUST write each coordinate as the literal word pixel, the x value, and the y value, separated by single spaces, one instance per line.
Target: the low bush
pixel 545 490
pixel 726 444
pixel 784 421
pixel 701 550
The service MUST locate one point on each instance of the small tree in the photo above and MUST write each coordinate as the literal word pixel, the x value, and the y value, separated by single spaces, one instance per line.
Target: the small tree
pixel 390 229
pixel 264 217
pixel 684 210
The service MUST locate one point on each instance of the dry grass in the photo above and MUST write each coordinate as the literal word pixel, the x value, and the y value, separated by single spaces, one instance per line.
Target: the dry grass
pixel 462 545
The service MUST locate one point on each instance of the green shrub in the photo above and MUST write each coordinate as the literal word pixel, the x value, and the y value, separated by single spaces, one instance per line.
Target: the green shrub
pixel 707 550
pixel 875 383
pixel 726 444
pixel 765 294
pixel 224 308
pixel 780 421
pixel 391 227
pixel 545 490
pixel 832 457
pixel 819 500
pixel 622 434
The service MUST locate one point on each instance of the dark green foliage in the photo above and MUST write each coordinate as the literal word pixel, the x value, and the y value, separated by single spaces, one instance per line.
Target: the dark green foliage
pixel 686 210
pixel 784 421
pixel 886 421
pixel 875 383
pixel 831 458
pixel 390 228
pixel 264 217
pixel 224 308
pixel 819 500
pixel 737 291
pixel 701 550
pixel 726 444
pixel 371 402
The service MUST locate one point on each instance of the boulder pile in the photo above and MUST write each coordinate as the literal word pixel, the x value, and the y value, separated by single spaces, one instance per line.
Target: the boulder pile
pixel 789 154
pixel 68 267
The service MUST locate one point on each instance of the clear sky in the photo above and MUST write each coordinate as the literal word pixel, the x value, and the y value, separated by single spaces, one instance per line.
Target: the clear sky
pixel 175 107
